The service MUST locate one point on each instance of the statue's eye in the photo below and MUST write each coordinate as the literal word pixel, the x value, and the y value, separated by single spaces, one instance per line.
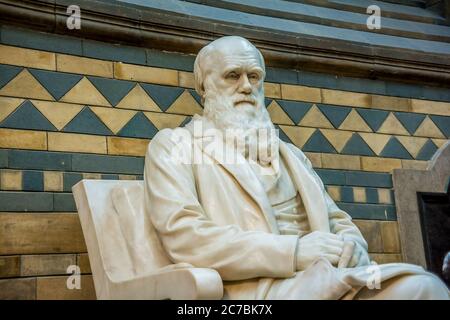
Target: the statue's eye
pixel 233 75
pixel 253 76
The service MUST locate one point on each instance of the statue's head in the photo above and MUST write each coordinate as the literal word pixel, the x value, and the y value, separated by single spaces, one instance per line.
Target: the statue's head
pixel 229 76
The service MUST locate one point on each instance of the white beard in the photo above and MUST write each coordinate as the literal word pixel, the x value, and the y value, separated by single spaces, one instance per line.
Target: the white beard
pixel 251 125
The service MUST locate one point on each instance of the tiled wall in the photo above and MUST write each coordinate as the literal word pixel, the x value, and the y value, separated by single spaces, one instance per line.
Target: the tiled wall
pixel 66 115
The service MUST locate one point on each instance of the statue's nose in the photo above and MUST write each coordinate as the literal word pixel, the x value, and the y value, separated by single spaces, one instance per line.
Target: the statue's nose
pixel 245 86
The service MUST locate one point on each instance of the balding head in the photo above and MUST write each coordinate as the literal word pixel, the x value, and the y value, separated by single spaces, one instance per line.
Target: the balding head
pixel 218 50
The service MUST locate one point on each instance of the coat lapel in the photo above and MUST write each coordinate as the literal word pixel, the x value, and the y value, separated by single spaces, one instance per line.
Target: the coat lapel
pixel 310 191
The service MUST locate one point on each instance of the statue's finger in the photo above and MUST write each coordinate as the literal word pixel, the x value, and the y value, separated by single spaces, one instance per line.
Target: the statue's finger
pixel 347 254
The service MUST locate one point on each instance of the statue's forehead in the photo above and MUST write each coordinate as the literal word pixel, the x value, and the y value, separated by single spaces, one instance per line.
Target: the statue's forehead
pixel 235 56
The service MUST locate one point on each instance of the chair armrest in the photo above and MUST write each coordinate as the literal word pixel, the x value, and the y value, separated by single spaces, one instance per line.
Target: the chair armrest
pixel 175 282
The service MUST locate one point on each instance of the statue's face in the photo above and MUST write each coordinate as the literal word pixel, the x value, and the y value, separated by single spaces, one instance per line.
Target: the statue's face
pixel 235 72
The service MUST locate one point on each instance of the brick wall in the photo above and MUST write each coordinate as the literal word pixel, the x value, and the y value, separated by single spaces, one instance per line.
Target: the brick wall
pixel 73 109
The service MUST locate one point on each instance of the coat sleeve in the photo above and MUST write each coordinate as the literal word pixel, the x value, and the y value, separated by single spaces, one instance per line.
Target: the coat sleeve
pixel 188 235
pixel 340 222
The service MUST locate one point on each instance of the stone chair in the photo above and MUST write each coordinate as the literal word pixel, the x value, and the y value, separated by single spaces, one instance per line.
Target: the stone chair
pixel 125 253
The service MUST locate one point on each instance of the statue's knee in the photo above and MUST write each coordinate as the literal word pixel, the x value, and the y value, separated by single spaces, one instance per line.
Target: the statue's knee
pixel 427 286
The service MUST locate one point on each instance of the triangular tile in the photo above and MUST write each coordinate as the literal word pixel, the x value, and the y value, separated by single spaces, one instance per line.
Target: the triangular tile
pixel 318 143
pixel 58 113
pixel 338 138
pixel 354 122
pixel 164 96
pixel 297 135
pixel 374 118
pixel 277 114
pixel 357 146
pixel 315 118
pixel 410 121
pixel 112 89
pixel 428 129
pixel 164 120
pixel 138 99
pixel 412 144
pixel 87 122
pixel 375 141
pixel 427 151
pixel 392 126
pixel 394 149
pixel 185 104
pixel 185 121
pixel 295 110
pixel 282 135
pixel 7 73
pixel 196 96
pixel 138 127
pixel 335 114
pixel 84 92
pixel 26 116
pixel 8 105
pixel 24 85
pixel 439 142
pixel 57 83
pixel 115 119
pixel 443 123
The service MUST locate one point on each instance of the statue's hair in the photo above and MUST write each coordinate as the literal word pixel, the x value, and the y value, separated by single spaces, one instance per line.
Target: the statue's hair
pixel 199 70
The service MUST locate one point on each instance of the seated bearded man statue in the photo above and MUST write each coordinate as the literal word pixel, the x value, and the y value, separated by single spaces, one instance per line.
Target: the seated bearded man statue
pixel 263 219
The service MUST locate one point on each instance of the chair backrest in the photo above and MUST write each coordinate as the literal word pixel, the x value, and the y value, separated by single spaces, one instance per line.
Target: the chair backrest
pixel 121 241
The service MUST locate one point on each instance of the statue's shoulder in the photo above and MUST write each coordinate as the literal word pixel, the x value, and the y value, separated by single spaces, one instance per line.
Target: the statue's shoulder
pixel 168 138
pixel 298 153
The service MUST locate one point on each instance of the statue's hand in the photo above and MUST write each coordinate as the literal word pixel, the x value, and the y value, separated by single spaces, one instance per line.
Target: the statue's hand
pixel 316 245
pixel 353 255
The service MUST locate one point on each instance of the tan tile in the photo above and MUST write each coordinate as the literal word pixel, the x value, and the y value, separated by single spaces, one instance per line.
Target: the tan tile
pixel 24 85
pixel 46 264
pixel 359 195
pixel 439 142
pixel 11 180
pixel 354 122
pixel 115 119
pixel 59 114
pixel 145 74
pixel 53 181
pixel 185 104
pixel 18 289
pixel 87 66
pixel 334 192
pixel 164 120
pixel 138 99
pixel 127 146
pixel 8 105
pixel 338 161
pixel 298 135
pixel 272 90
pixel 430 107
pixel 23 139
pixel 94 176
pixel 371 231
pixel 315 158
pixel 72 142
pixel 390 236
pixel 85 93
pixel 392 126
pixel 391 103
pixel 375 164
pixel 83 263
pixel 186 79
pixel 278 115
pixel 126 177
pixel 55 288
pixel 414 164
pixel 338 138
pixel 346 98
pixel 375 141
pixel 315 118
pixel 300 93
pixel 31 233
pixel 9 266
pixel 384 196
pixel 412 144
pixel 27 57
pixel 428 129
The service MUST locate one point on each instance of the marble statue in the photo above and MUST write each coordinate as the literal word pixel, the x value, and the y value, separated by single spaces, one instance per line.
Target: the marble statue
pixel 225 193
